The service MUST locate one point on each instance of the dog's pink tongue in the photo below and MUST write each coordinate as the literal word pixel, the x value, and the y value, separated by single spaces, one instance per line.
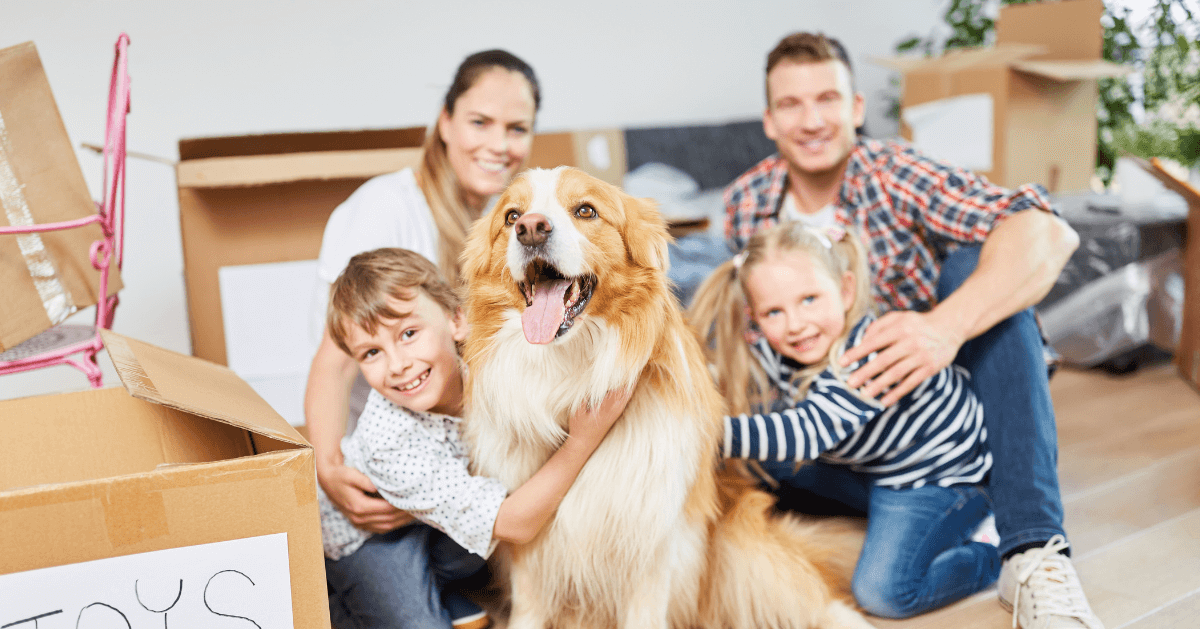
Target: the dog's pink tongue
pixel 542 319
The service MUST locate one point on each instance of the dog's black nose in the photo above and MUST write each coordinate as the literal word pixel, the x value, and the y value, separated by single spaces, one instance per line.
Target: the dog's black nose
pixel 533 229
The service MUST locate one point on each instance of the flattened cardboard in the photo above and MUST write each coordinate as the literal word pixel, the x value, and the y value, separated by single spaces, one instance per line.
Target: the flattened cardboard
pixel 117 475
pixel 1187 354
pixel 48 183
pixel 266 198
pixel 1041 77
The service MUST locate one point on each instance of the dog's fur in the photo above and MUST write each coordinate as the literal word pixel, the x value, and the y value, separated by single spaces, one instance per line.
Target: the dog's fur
pixel 650 535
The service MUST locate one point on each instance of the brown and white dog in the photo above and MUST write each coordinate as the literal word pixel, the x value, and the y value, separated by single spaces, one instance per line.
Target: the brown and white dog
pixel 568 300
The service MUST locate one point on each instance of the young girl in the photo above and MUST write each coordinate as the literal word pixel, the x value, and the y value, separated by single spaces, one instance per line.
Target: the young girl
pixel 394 316
pixel 777 317
pixel 482 136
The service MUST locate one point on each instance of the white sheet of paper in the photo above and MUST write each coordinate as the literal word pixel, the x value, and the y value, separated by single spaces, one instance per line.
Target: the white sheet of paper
pixel 958 130
pixel 235 584
pixel 265 310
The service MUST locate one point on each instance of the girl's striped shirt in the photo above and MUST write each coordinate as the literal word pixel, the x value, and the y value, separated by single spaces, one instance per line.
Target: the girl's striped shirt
pixel 933 435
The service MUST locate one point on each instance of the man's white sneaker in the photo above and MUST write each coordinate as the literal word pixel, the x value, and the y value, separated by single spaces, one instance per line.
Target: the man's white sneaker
pixel 1041 589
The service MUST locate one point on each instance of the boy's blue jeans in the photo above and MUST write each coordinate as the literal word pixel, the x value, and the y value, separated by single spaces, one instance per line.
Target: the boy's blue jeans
pixel 397 580
pixel 1008 374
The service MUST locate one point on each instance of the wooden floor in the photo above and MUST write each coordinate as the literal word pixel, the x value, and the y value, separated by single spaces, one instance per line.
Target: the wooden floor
pixel 1129 467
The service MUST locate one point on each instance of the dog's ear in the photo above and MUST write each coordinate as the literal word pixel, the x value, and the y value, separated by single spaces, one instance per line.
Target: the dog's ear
pixel 646 235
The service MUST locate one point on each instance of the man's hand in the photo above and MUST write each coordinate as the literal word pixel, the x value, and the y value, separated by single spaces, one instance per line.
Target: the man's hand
pixel 355 496
pixel 591 424
pixel 912 346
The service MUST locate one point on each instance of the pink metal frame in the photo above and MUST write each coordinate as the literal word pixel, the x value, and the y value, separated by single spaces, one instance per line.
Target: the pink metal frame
pixel 107 251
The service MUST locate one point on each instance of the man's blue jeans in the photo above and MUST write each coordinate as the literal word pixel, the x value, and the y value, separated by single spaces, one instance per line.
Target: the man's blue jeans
pixel 397 580
pixel 1008 374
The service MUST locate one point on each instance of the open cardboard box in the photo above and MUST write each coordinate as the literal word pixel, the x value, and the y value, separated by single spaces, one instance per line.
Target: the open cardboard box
pixel 266 198
pixel 247 202
pixel 1032 96
pixel 186 455
pixel 46 276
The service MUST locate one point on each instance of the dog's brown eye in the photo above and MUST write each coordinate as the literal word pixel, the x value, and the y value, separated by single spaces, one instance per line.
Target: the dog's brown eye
pixel 586 211
pixel 511 217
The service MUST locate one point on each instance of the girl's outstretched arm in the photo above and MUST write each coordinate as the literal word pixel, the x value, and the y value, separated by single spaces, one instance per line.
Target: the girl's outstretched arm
pixel 825 418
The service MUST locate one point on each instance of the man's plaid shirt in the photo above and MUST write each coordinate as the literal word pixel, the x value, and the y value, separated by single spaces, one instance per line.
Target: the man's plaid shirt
pixel 910 210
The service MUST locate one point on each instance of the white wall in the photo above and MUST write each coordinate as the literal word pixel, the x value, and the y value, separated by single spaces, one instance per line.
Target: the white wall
pixel 221 67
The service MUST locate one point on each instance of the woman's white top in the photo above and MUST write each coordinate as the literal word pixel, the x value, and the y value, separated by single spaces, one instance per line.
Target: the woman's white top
pixel 386 211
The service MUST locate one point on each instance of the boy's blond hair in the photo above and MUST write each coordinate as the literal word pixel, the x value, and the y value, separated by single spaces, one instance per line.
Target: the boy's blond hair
pixel 359 295
pixel 720 309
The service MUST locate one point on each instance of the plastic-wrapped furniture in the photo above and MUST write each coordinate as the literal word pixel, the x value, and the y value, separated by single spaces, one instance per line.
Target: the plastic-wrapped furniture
pixel 73 344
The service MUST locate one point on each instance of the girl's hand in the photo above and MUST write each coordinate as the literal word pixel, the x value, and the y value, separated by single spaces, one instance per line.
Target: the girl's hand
pixel 591 424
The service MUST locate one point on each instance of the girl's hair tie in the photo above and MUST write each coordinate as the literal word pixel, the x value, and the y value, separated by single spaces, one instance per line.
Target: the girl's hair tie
pixel 739 260
pixel 835 233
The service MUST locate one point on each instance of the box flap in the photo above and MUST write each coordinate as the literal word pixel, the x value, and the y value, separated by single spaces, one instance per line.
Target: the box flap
pixel 1185 189
pixel 962 59
pixel 195 386
pixel 1069 29
pixel 1073 70
pixel 300 142
pixel 261 170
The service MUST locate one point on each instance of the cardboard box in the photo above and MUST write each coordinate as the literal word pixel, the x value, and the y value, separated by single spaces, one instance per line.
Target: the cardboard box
pixel 1021 111
pixel 187 455
pixel 47 276
pixel 266 198
pixel 1187 354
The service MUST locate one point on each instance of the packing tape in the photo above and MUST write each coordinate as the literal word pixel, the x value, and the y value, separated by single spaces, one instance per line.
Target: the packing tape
pixel 133 375
pixel 56 299
pixel 305 486
pixel 132 514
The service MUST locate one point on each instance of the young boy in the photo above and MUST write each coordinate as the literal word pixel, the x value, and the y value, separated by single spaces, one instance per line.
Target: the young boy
pixel 390 311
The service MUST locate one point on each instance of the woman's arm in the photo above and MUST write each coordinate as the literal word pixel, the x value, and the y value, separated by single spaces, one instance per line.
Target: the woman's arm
pixel 527 509
pixel 326 402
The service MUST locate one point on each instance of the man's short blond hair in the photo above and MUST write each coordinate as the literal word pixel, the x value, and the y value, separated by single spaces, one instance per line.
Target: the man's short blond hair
pixel 359 296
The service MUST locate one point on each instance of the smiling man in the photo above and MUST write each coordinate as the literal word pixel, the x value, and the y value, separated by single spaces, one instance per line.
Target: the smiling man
pixel 956 264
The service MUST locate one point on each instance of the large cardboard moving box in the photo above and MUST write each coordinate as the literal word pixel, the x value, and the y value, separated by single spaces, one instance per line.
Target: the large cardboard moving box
pixel 252 213
pixel 187 455
pixel 1021 111
pixel 46 277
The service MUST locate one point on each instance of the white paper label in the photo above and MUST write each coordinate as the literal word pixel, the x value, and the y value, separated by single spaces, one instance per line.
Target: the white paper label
pixel 958 130
pixel 242 583
pixel 597 152
pixel 265 309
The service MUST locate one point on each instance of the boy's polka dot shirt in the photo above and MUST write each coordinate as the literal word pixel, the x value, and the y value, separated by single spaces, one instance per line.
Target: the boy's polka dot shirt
pixel 418 462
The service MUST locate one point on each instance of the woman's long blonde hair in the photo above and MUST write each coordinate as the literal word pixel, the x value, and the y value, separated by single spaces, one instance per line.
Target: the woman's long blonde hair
pixel 720 310
pixel 451 213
